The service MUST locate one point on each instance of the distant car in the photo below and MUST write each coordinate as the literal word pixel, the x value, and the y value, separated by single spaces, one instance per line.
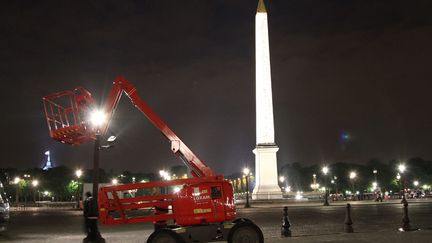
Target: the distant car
pixel 4 209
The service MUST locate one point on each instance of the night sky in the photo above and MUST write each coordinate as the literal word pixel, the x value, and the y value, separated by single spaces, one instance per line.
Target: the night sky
pixel 351 79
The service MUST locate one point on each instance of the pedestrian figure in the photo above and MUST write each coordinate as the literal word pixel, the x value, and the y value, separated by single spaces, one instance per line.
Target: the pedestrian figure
pixel 90 220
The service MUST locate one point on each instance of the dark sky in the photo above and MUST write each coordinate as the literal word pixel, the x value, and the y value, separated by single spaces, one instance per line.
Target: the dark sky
pixel 360 67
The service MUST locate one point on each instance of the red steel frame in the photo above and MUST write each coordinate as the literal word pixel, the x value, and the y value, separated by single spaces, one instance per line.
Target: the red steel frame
pixel 65 121
pixel 185 207
pixel 197 167
pixel 172 204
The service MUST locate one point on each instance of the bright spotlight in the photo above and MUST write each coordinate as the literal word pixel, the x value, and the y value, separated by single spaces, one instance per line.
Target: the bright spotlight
pixel 97 118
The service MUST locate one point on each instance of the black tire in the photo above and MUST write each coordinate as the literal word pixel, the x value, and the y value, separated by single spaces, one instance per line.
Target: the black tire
pixel 164 236
pixel 245 232
pixel 242 220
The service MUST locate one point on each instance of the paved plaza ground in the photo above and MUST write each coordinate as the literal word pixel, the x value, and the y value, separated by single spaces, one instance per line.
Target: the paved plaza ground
pixel 311 222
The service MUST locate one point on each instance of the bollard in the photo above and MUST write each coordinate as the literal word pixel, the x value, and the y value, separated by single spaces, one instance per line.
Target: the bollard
pixel 285 229
pixel 405 220
pixel 348 221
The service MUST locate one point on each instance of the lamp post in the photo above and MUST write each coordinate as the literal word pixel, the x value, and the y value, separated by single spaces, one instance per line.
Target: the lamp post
pixel 165 176
pixel 96 166
pixel 35 183
pixel 325 170
pixel 352 177
pixel 336 185
pixel 401 169
pixel 314 184
pixel 78 174
pixel 97 118
pixel 375 172
pixel 246 173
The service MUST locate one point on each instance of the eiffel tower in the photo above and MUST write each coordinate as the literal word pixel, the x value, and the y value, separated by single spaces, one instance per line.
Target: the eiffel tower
pixel 48 164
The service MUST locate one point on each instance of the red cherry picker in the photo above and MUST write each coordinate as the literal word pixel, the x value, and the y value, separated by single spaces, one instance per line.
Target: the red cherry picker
pixel 197 209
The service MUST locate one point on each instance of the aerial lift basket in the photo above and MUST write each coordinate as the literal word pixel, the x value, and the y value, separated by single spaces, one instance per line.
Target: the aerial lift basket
pixel 66 113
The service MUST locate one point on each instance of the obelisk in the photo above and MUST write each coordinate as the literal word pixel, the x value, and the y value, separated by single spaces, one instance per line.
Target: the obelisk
pixel 266 175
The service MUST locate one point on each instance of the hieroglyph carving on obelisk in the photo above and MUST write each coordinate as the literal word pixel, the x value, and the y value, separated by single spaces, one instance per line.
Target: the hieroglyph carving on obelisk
pixel 266 175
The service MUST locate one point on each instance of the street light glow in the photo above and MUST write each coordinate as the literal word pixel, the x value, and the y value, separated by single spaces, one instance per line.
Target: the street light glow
pixel 176 189
pixel 325 170
pixel 35 183
pixel 401 168
pixel 246 171
pixel 416 183
pixel 16 180
pixel 97 118
pixel 352 175
pixel 114 181
pixel 282 178
pixel 78 173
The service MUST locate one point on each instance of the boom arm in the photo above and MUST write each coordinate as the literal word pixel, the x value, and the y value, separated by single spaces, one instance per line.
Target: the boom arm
pixel 120 85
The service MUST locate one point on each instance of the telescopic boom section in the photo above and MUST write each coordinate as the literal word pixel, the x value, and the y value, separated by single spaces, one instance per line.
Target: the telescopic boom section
pixel 120 85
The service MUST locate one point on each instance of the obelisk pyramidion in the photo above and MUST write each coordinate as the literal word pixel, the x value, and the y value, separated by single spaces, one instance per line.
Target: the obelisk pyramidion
pixel 266 176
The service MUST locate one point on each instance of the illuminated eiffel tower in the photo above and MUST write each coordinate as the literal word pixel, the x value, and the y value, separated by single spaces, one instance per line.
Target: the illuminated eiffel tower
pixel 48 164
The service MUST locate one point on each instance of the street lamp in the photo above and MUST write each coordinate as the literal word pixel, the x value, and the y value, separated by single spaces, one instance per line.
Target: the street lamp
pixel 325 170
pixel 314 184
pixel 352 177
pixel 374 186
pixel 114 181
pixel 98 118
pixel 401 168
pixel 336 185
pixel 165 176
pixel 78 174
pixel 416 183
pixel 375 172
pixel 35 183
pixel 282 179
pixel 246 174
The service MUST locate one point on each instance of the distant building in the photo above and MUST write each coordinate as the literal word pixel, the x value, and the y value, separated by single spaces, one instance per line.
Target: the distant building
pixel 48 164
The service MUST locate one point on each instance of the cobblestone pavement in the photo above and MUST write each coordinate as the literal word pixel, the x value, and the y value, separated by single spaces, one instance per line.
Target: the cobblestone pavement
pixel 311 222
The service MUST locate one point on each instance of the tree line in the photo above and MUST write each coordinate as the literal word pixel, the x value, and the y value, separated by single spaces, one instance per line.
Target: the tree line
pixel 300 177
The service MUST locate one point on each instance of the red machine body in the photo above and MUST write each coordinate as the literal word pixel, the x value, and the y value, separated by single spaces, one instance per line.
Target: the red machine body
pixel 197 201
pixel 205 198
